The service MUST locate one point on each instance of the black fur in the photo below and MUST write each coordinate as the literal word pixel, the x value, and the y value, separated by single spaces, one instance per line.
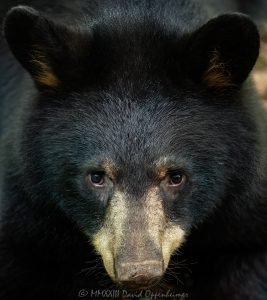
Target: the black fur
pixel 131 89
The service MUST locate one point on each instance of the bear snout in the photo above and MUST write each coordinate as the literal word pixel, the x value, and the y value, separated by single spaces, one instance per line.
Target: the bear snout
pixel 136 275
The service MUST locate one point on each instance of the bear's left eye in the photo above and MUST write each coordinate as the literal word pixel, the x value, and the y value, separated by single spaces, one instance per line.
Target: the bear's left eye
pixel 176 179
pixel 97 178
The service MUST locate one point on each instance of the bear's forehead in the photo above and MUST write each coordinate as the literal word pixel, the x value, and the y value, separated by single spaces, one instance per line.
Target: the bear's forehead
pixel 149 128
pixel 134 127
pixel 136 137
pixel 145 125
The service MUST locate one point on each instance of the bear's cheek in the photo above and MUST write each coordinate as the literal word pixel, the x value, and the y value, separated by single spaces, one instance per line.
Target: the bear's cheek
pixel 137 233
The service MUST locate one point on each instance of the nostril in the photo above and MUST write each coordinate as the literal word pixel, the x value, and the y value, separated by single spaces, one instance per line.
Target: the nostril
pixel 139 275
pixel 145 279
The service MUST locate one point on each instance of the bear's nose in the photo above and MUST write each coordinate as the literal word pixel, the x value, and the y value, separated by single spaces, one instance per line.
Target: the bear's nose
pixel 139 274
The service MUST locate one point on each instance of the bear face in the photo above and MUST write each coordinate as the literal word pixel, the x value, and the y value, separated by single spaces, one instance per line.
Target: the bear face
pixel 133 183
pixel 129 135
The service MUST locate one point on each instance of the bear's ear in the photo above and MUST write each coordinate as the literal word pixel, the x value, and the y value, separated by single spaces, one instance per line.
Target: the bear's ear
pixel 51 53
pixel 222 52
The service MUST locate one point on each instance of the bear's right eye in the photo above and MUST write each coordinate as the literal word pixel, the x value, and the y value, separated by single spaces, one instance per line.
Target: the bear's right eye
pixel 97 178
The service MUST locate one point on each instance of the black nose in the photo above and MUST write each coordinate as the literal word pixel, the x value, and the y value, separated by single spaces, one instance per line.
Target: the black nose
pixel 139 274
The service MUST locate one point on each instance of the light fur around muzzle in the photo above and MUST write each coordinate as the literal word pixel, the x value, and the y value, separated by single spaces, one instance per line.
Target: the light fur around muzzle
pixel 125 221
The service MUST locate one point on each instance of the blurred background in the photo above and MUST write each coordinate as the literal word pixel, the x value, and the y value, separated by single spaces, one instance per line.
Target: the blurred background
pixel 260 71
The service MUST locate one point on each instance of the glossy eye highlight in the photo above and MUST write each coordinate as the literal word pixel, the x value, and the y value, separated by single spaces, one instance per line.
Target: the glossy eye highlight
pixel 176 179
pixel 97 178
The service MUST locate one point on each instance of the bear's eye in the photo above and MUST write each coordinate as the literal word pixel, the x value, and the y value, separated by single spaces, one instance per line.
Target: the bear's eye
pixel 97 178
pixel 176 179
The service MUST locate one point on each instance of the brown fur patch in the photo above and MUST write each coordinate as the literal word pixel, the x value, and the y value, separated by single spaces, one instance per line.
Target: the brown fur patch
pixel 161 172
pixel 216 74
pixel 161 167
pixel 45 75
pixel 110 169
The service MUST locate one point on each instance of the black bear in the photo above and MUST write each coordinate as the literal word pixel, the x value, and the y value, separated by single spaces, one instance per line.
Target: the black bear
pixel 130 132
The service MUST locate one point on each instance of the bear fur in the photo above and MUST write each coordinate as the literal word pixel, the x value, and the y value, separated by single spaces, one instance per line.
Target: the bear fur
pixel 132 123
